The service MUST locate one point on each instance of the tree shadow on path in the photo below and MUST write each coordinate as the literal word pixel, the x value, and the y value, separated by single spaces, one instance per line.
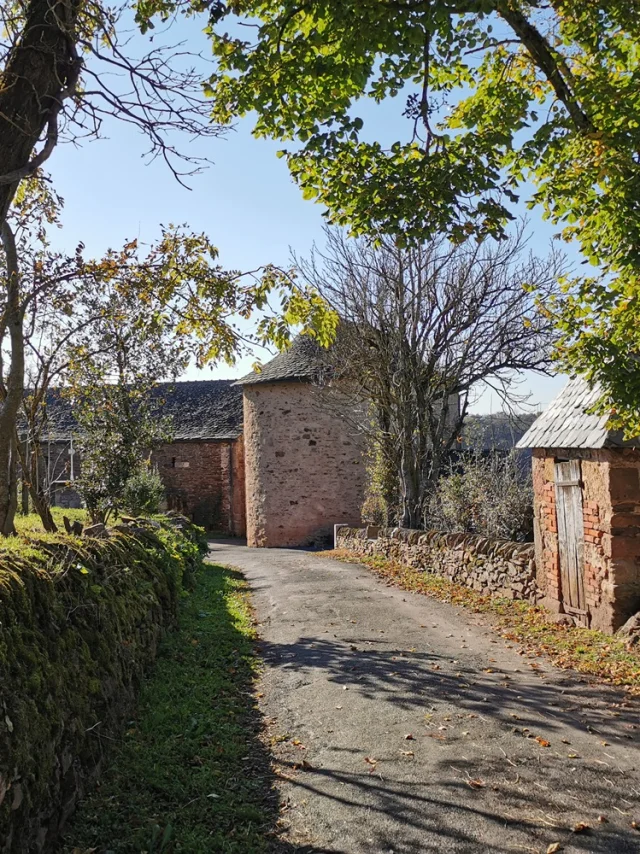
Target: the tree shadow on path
pixel 505 761
pixel 193 772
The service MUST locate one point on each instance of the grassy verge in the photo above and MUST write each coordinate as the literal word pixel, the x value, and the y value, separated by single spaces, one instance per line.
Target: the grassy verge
pixel 584 650
pixel 32 523
pixel 190 774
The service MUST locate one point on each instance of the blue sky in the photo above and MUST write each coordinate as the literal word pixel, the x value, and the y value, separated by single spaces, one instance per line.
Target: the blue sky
pixel 246 203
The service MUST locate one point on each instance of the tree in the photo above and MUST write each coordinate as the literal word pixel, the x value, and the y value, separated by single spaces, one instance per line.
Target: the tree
pixel 64 317
pixel 114 365
pixel 423 327
pixel 66 65
pixel 498 95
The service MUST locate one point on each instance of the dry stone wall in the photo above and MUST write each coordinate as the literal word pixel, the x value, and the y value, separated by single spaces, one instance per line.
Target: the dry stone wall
pixel 80 623
pixel 493 567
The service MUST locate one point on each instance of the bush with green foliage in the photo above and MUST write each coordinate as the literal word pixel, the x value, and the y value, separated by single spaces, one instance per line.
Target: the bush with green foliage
pixel 487 494
pixel 143 491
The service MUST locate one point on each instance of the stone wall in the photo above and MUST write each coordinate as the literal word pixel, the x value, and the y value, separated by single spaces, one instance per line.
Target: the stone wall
pixel 80 622
pixel 304 465
pixel 204 479
pixel 611 524
pixel 494 567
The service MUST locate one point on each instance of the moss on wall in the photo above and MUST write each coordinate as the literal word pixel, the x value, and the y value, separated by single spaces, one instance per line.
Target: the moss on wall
pixel 80 620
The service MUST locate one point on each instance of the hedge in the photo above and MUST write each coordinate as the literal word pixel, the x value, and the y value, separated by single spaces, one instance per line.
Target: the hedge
pixel 80 621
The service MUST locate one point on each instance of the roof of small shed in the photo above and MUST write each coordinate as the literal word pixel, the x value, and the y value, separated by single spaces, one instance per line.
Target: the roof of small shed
pixel 303 361
pixel 199 409
pixel 567 424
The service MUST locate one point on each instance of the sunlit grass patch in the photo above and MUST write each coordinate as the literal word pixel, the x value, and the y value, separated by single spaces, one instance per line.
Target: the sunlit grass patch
pixel 32 524
pixel 191 773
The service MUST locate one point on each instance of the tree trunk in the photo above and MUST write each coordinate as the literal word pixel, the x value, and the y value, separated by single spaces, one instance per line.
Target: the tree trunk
pixel 41 70
pixel 29 463
pixel 411 510
pixel 13 391
pixel 42 508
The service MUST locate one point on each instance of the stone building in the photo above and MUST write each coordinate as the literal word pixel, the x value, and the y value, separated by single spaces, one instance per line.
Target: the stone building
pixel 587 512
pixel 304 464
pixel 303 470
pixel 202 468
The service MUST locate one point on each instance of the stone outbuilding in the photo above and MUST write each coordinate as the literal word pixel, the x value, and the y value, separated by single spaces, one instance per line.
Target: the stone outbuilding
pixel 304 466
pixel 586 481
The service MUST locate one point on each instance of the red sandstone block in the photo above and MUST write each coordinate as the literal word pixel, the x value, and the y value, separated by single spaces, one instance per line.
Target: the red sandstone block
pixel 625 547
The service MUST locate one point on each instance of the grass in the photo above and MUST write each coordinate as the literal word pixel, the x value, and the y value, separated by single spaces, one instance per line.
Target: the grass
pixel 191 774
pixel 32 524
pixel 584 650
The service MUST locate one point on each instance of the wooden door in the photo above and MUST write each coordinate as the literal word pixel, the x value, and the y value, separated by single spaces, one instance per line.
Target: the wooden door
pixel 571 537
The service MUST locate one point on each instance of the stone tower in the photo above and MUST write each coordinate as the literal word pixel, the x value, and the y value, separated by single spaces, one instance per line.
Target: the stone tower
pixel 304 468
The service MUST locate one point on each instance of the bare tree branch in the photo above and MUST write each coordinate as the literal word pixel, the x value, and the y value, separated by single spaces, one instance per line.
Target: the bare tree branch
pixel 424 328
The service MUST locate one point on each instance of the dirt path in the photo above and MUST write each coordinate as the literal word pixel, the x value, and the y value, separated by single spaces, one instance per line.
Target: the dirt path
pixel 421 730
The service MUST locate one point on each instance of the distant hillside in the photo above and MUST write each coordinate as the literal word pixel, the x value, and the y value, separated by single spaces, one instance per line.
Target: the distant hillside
pixel 500 431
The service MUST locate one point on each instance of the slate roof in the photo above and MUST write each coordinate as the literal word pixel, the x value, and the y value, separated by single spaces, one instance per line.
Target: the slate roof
pixel 303 361
pixel 566 424
pixel 199 409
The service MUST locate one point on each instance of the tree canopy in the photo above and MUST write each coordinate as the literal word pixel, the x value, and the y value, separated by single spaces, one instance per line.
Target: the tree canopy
pixel 502 97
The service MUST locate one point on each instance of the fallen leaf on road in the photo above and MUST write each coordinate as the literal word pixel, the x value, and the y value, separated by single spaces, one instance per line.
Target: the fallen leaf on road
pixel 372 762
pixel 554 847
pixel 408 737
pixel 407 752
pixel 603 819
pixel 580 827
pixel 542 741
pixel 476 783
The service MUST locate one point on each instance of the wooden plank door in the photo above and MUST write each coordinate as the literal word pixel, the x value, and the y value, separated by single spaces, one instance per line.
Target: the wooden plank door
pixel 571 537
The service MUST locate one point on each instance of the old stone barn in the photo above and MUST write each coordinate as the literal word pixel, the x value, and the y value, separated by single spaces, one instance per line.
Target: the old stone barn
pixel 587 512
pixel 267 457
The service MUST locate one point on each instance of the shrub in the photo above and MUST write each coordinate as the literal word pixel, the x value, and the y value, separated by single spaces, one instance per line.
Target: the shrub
pixel 380 505
pixel 143 491
pixel 489 495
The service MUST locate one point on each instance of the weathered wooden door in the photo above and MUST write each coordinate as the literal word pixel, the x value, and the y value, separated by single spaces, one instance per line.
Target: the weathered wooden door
pixel 571 537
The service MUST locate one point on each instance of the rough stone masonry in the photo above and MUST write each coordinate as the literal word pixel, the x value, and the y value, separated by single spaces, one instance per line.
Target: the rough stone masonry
pixel 493 567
